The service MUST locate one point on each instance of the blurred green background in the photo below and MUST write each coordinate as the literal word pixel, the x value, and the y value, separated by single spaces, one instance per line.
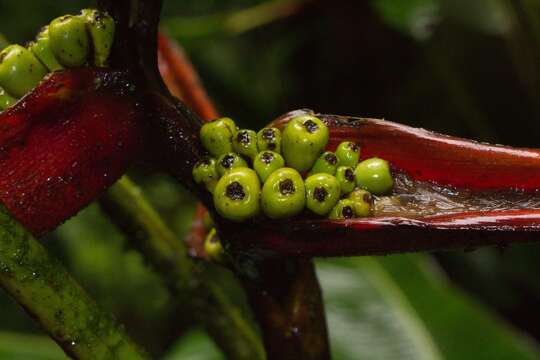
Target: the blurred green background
pixel 467 68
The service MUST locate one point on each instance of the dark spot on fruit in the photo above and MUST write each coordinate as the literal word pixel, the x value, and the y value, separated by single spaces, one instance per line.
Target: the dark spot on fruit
pixel 331 159
pixel 311 126
pixel 267 157
pixel 227 161
pixel 320 194
pixel 347 212
pixel 243 137
pixel 269 134
pixel 367 198
pixel 354 147
pixel 235 191
pixel 286 187
pixel 349 175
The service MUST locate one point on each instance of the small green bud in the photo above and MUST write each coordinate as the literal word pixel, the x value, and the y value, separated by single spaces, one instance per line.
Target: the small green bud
pixel 205 172
pixel 6 100
pixel 269 139
pixel 327 163
pixel 245 143
pixel 322 193
pixel 69 40
pixel 374 175
pixel 304 139
pixel 101 27
pixel 343 210
pixel 42 50
pixel 213 247
pixel 266 162
pixel 216 136
pixel 20 70
pixel 362 201
pixel 348 154
pixel 346 179
pixel 228 162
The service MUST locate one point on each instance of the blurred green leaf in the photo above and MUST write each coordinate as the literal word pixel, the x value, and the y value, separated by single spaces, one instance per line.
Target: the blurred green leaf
pixel 29 347
pixel 196 345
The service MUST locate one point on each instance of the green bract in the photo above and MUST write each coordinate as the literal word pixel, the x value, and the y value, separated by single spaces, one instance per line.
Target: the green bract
pixel 347 180
pixel 326 163
pixel 204 172
pixel 213 248
pixel 374 176
pixel 229 161
pixel 20 70
pixel 266 162
pixel 283 194
pixel 69 40
pixel 6 100
pixel 304 138
pixel 348 154
pixel 269 139
pixel 101 27
pixel 362 201
pixel 344 209
pixel 43 51
pixel 216 136
pixel 322 193
pixel 245 143
pixel 237 194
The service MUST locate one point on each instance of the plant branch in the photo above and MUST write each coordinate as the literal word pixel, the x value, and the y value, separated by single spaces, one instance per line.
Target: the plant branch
pixel 43 287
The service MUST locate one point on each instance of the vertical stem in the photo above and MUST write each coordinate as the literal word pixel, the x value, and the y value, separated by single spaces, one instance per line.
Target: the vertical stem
pixel 43 287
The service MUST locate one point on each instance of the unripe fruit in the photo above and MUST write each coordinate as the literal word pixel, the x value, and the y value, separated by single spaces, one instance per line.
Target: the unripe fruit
pixel 322 193
pixel 237 194
pixel 6 100
pixel 304 138
pixel 326 163
pixel 41 48
pixel 213 247
pixel 69 40
pixel 347 180
pixel 343 210
pixel 362 201
pixel 269 139
pixel 348 154
pixel 266 162
pixel 374 176
pixel 283 194
pixel 20 70
pixel 101 27
pixel 216 136
pixel 205 172
pixel 229 161
pixel 245 143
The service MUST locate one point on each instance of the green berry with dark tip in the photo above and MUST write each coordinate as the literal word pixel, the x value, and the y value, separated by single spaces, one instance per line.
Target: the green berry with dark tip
pixel 266 162
pixel 363 202
pixel 229 161
pixel 343 210
pixel 269 139
pixel 245 143
pixel 101 28
pixel 205 172
pixel 322 193
pixel 346 178
pixel 6 100
pixel 283 194
pixel 69 40
pixel 304 139
pixel 41 48
pixel 217 136
pixel 327 163
pixel 348 154
pixel 374 175
pixel 213 247
pixel 237 194
pixel 20 70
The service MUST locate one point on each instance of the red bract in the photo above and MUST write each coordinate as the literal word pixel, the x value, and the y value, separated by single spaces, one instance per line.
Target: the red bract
pixel 64 143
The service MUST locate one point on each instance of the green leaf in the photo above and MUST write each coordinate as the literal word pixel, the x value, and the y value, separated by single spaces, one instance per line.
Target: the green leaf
pixel 24 347
pixel 196 345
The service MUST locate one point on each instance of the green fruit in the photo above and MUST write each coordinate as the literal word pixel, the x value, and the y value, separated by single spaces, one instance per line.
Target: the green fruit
pixel 216 136
pixel 269 139
pixel 343 210
pixel 322 193
pixel 20 70
pixel 283 194
pixel 6 100
pixel 205 172
pixel 327 163
pixel 245 143
pixel 266 162
pixel 42 50
pixel 230 124
pixel 237 194
pixel 362 201
pixel 348 154
pixel 347 180
pixel 229 161
pixel 374 176
pixel 69 40
pixel 213 247
pixel 304 138
pixel 101 27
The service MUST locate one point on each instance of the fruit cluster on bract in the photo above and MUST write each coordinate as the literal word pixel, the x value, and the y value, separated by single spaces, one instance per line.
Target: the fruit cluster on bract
pixel 67 42
pixel 263 171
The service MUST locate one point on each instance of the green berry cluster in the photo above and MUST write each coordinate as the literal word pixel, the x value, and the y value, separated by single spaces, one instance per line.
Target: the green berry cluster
pixel 249 173
pixel 67 42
